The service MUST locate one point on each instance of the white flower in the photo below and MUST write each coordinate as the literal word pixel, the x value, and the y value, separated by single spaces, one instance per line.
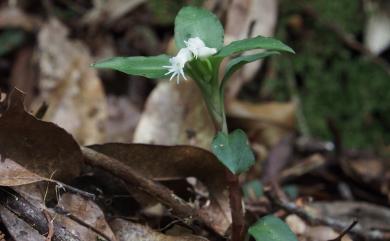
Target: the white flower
pixel 177 64
pixel 198 48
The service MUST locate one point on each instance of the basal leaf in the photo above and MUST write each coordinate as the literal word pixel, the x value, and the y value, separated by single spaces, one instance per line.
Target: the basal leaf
pixel 236 63
pixel 233 151
pixel 149 67
pixel 193 22
pixel 271 228
pixel 258 42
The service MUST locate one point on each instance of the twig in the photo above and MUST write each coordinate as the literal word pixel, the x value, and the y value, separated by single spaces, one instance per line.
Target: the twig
pixel 33 215
pixel 333 223
pixel 75 190
pixel 50 233
pixel 342 234
pixel 160 192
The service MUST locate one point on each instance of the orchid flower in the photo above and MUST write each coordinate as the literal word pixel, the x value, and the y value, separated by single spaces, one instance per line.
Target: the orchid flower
pixel 198 48
pixel 177 64
pixel 195 48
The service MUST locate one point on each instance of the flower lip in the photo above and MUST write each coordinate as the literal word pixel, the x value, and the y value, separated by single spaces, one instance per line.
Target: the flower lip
pixel 177 64
pixel 198 48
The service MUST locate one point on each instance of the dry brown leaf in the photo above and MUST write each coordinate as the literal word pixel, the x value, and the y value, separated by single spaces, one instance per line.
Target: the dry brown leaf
pixel 369 170
pixel 87 211
pixel 18 229
pixel 269 121
pixel 128 231
pixel 249 18
pixel 13 17
pixel 106 12
pixel 178 162
pixel 13 174
pixel 24 73
pixel 40 147
pixel 175 114
pixel 123 117
pixel 69 85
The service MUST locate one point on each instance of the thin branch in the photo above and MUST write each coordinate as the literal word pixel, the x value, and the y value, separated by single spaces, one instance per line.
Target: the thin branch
pixel 75 190
pixel 32 215
pixel 347 230
pixel 160 192
pixel 50 233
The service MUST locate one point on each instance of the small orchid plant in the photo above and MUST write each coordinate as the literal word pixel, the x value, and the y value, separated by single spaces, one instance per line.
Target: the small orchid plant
pixel 199 36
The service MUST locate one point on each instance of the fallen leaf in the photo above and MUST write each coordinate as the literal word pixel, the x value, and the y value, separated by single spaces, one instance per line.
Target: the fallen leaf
pixel 178 162
pixel 126 231
pixel 123 117
pixel 377 31
pixel 13 17
pixel 269 122
pixel 175 114
pixel 87 211
pixel 73 89
pixel 40 147
pixel 107 12
pixel 249 18
pixel 13 174
pixel 24 73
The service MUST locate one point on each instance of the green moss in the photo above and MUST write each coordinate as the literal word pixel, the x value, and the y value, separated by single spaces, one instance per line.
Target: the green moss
pixel 334 81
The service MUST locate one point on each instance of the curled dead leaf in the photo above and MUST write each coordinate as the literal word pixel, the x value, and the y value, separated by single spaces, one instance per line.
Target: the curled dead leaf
pixel 40 147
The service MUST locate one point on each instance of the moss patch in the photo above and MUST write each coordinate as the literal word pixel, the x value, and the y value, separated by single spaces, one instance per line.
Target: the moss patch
pixel 334 82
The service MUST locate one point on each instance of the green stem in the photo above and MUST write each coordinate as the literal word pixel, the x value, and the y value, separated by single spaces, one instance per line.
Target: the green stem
pixel 214 98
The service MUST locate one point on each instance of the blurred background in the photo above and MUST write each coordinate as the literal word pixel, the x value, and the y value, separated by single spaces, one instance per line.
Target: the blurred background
pixel 333 91
pixel 318 121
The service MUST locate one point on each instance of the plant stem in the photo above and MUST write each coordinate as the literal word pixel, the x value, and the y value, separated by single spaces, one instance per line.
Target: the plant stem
pixel 238 218
pixel 214 98
pixel 235 196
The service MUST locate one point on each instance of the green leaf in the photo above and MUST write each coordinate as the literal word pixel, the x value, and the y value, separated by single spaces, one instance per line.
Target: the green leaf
pixel 238 62
pixel 271 228
pixel 193 22
pixel 258 42
pixel 233 151
pixel 150 67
